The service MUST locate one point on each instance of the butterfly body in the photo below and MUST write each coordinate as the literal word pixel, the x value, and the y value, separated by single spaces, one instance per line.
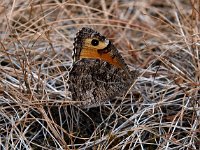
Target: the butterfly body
pixel 99 72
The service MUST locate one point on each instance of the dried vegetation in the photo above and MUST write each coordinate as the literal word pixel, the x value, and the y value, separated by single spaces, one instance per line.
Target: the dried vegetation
pixel 161 111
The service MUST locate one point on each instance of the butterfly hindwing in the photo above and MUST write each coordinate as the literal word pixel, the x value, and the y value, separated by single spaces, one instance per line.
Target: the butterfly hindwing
pixel 96 83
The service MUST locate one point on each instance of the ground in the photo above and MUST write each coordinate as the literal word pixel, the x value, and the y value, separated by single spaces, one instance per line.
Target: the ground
pixel 159 38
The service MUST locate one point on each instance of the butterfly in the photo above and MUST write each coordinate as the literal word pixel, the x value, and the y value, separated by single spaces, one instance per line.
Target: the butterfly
pixel 98 73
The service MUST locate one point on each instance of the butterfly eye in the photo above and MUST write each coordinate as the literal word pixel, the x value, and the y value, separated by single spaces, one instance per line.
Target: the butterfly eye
pixel 95 42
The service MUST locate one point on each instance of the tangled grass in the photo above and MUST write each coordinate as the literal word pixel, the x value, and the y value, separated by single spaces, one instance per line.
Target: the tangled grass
pixel 160 38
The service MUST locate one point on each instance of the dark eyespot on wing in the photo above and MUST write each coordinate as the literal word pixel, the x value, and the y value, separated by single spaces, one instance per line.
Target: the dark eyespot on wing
pixel 95 42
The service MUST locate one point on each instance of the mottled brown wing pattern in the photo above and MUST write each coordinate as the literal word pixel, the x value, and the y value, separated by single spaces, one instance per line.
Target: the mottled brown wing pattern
pixel 96 82
pixel 99 72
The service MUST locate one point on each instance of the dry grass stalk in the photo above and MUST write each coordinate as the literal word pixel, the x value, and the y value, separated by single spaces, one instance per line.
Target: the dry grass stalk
pixel 160 112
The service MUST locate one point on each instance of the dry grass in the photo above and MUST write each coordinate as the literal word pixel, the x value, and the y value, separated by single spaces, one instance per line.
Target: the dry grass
pixel 162 109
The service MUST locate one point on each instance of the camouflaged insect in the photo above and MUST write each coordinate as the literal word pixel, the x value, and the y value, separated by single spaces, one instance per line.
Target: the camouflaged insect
pixel 98 72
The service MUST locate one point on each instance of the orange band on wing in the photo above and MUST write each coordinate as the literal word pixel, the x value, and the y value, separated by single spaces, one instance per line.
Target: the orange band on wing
pixel 87 53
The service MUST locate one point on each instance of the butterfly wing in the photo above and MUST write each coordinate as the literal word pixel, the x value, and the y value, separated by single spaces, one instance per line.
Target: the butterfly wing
pixel 92 82
pixel 98 72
